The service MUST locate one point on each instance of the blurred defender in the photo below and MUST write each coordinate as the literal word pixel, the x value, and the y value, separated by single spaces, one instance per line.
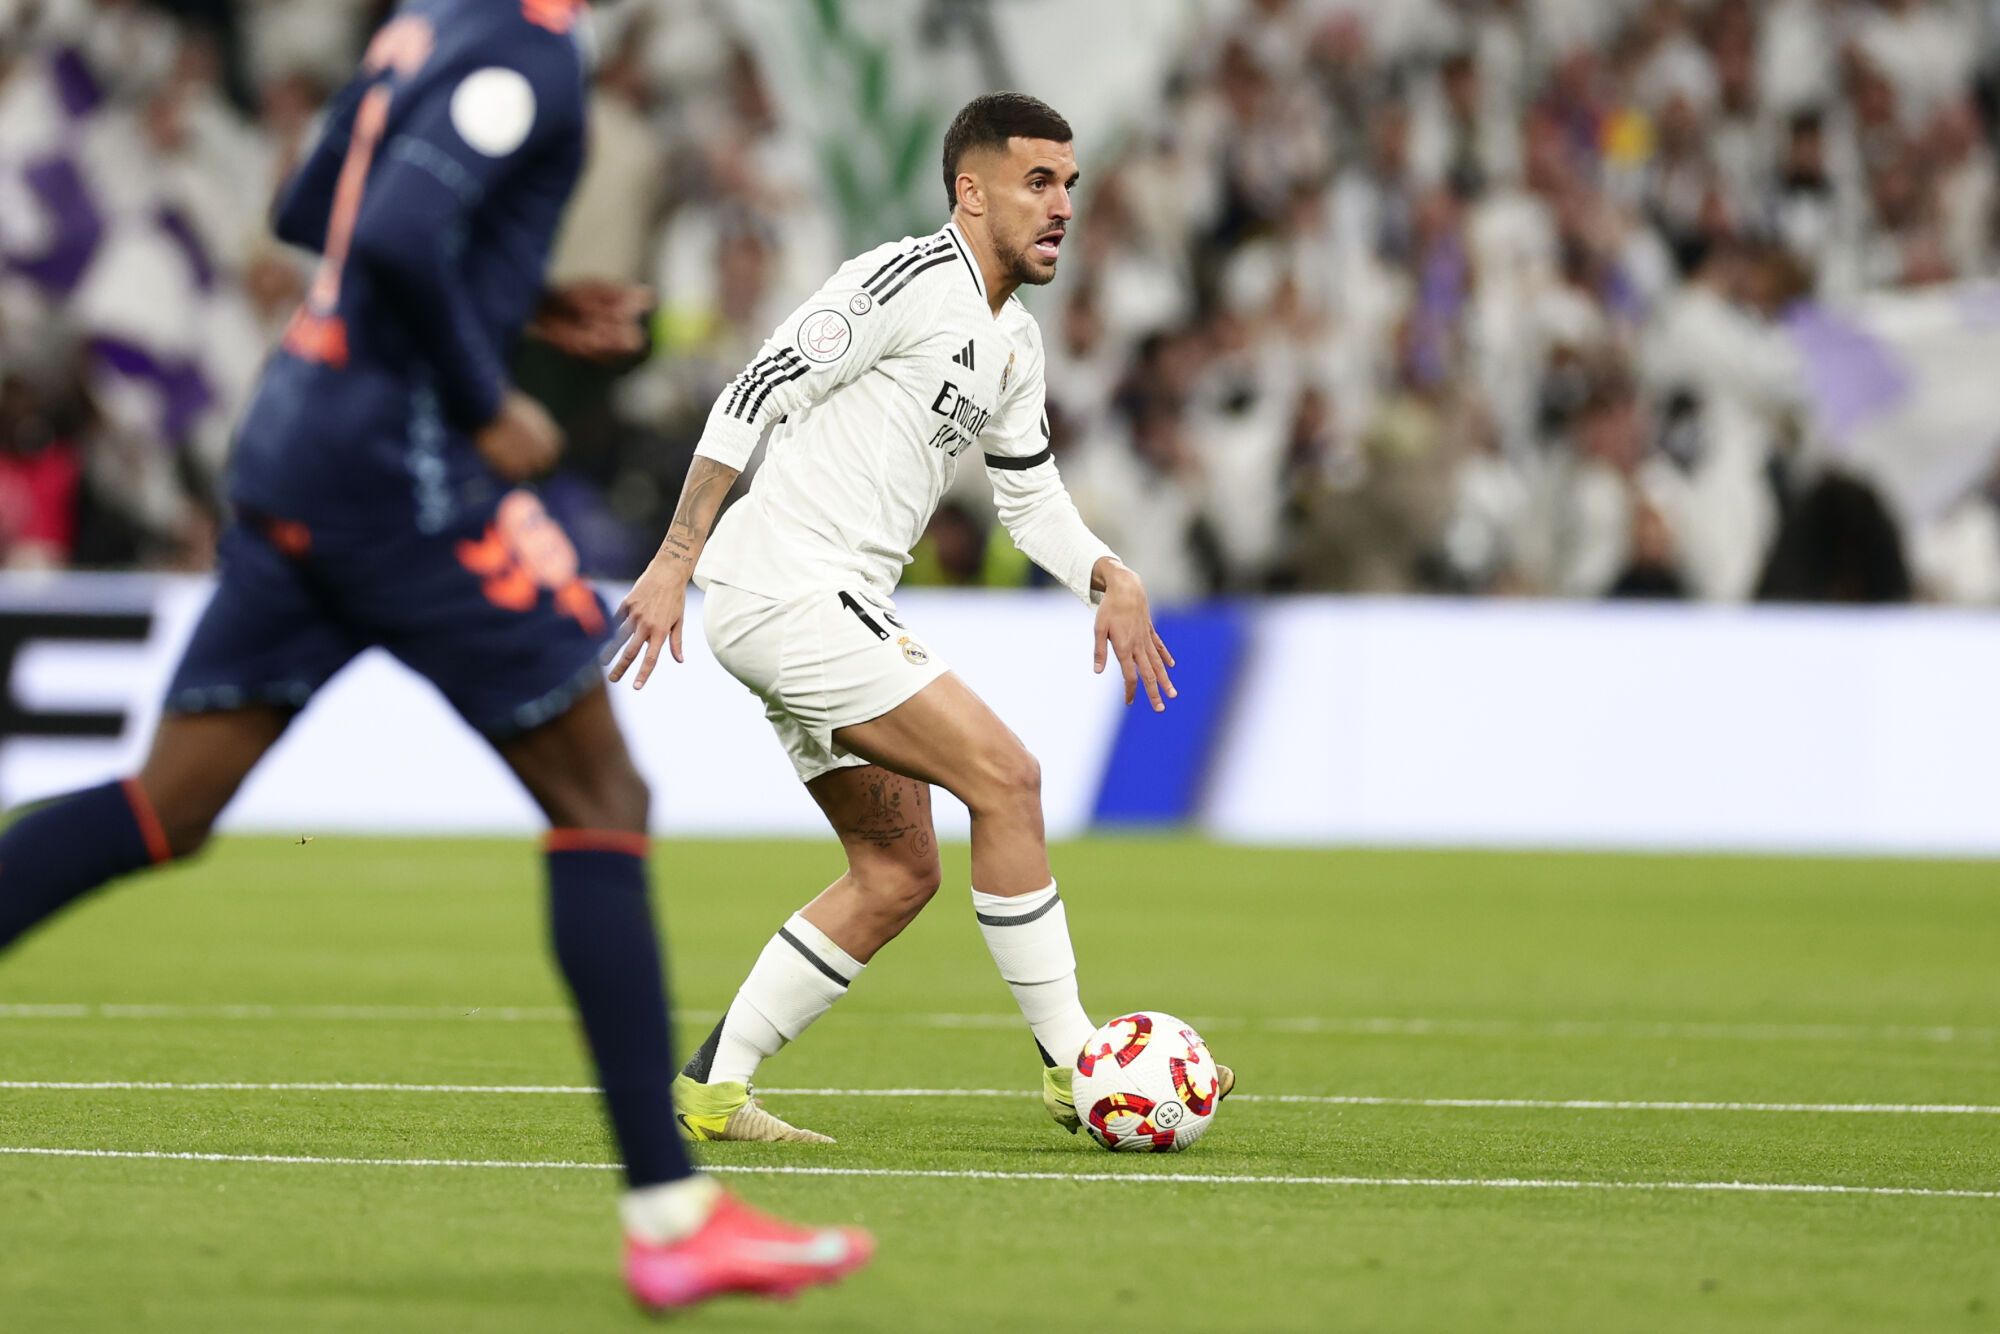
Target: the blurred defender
pixel 371 481
pixel 910 355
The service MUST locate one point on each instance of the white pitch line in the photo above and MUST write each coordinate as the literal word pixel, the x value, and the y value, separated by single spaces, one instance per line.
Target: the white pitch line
pixel 514 1014
pixel 1308 1025
pixel 1155 1178
pixel 302 1086
pixel 1293 1099
pixel 1631 1105
pixel 1607 1028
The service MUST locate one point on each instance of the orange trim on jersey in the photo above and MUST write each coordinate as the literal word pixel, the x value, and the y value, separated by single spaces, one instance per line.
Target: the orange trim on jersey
pixel 289 536
pixel 157 846
pixel 317 333
pixel 596 840
pixel 321 339
pixel 558 16
pixel 403 45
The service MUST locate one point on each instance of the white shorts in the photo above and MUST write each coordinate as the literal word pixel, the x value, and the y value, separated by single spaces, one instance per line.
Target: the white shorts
pixel 819 662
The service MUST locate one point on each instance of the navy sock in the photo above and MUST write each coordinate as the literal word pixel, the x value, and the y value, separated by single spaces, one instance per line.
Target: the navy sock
pixel 604 942
pixel 57 853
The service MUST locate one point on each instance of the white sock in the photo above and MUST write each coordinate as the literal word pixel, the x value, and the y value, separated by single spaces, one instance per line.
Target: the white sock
pixel 1028 936
pixel 666 1213
pixel 797 978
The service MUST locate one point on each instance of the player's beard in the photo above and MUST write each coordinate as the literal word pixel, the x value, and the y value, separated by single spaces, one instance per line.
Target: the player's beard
pixel 1023 268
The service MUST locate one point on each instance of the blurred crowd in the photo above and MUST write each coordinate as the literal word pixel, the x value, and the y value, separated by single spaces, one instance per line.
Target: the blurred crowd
pixel 1491 297
pixel 140 146
pixel 1471 296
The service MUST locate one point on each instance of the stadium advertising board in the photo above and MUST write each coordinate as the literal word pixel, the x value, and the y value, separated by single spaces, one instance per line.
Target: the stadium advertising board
pixel 1305 721
pixel 378 752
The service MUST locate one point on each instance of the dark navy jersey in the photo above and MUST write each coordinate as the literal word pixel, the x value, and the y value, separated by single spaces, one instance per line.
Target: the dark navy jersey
pixel 433 197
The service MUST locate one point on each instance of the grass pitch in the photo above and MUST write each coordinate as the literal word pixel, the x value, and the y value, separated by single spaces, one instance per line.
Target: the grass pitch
pixel 1402 1024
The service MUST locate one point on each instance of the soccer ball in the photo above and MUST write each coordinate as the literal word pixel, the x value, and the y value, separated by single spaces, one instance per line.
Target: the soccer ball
pixel 1146 1082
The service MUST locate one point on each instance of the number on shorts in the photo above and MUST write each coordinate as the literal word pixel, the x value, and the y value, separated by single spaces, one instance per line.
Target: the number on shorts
pixel 847 601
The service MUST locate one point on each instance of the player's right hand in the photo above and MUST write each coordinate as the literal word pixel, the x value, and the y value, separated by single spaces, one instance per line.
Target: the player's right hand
pixel 522 440
pixel 1125 631
pixel 649 619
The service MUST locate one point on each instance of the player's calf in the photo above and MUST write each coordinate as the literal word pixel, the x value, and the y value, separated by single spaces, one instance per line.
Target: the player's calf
pixel 872 904
pixel 601 923
pixel 800 974
pixel 196 764
pixel 57 853
pixel 883 820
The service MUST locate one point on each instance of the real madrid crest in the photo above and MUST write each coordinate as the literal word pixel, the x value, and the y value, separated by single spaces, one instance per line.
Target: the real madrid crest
pixel 916 654
pixel 1007 372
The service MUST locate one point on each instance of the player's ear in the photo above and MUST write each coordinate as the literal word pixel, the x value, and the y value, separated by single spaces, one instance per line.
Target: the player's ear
pixel 971 195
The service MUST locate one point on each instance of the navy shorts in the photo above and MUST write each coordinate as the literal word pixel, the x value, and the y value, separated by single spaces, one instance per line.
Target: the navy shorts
pixel 494 615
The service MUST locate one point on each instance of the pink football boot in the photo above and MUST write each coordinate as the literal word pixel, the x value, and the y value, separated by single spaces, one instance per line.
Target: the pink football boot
pixel 741 1250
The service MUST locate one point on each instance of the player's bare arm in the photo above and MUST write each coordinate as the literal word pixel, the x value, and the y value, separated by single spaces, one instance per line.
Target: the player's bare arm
pixel 651 615
pixel 1125 628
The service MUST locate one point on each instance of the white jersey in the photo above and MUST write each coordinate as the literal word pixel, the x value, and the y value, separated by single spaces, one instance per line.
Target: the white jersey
pixel 877 384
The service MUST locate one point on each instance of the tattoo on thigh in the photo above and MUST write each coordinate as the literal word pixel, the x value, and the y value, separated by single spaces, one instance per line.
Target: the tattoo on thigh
pixel 886 819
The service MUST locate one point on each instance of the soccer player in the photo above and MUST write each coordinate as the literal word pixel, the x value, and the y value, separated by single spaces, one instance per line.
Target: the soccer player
pixel 371 486
pixel 911 355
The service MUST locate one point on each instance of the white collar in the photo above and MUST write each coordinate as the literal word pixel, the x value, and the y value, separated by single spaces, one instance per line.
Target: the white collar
pixel 957 237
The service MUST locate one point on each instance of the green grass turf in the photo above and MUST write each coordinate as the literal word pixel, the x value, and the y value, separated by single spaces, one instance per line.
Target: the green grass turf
pixel 1540 977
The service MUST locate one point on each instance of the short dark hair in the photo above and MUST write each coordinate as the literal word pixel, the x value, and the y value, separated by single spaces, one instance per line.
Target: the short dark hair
pixel 989 121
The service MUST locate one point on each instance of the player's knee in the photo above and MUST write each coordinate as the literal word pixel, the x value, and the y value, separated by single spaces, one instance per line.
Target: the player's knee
pixel 611 794
pixel 1011 776
pixel 624 805
pixel 634 801
pixel 898 888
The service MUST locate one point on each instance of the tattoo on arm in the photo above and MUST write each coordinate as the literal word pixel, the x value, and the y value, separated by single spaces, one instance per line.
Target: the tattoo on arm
pixel 707 486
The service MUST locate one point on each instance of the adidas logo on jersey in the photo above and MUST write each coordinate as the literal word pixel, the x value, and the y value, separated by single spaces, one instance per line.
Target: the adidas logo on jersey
pixel 964 357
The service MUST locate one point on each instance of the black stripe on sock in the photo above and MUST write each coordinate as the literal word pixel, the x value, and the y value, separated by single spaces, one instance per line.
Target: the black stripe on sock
pixel 1047 1060
pixel 1006 464
pixel 810 957
pixel 912 276
pixel 1025 918
pixel 703 1059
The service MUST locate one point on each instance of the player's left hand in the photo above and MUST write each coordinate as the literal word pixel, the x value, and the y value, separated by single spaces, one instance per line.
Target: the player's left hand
pixel 1125 628
pixel 594 319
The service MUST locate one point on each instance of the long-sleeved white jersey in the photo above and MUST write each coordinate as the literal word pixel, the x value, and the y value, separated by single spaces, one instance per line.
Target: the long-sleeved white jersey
pixel 877 384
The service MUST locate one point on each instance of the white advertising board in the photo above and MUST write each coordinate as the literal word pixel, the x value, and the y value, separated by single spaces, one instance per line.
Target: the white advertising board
pixel 1512 724
pixel 379 751
pixel 1399 723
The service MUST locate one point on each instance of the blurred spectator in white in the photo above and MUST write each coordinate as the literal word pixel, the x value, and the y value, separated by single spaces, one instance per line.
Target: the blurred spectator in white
pixel 1547 297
